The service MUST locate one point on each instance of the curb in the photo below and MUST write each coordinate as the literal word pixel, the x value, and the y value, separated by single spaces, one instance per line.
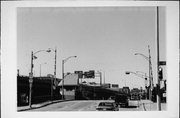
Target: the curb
pixel 43 105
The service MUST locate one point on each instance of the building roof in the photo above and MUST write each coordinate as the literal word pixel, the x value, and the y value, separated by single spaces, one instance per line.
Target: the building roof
pixel 70 79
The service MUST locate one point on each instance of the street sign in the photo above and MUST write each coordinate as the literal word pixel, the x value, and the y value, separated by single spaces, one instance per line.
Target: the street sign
pixel 80 73
pixel 162 63
pixel 89 74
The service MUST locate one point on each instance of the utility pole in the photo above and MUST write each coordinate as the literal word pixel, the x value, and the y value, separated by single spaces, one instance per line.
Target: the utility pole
pixel 149 74
pixel 158 80
pixel 31 74
pixel 54 78
pixel 54 75
pixel 145 83
pixel 31 80
pixel 55 64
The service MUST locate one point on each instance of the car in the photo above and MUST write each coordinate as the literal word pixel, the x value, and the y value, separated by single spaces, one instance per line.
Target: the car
pixel 111 98
pixel 122 100
pixel 107 106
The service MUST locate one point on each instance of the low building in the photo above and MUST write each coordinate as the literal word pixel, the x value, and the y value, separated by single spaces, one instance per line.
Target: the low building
pixel 43 89
pixel 71 82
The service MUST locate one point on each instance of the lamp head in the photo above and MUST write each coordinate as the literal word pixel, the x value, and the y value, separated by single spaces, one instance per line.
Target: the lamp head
pixel 135 54
pixel 34 57
pixel 49 50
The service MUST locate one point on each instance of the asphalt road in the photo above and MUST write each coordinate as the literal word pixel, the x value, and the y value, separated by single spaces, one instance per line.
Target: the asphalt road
pixel 83 105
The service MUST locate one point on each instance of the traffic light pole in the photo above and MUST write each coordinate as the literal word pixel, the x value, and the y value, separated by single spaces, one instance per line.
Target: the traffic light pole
pixel 158 80
pixel 150 82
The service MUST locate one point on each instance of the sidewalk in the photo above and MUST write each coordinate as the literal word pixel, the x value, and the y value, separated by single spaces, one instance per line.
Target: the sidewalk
pixel 36 106
pixel 147 105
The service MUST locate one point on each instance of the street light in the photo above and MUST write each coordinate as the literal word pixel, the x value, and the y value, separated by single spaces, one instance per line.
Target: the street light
pixel 150 71
pixel 142 55
pixel 31 73
pixel 139 75
pixel 55 53
pixel 40 67
pixel 145 78
pixel 63 62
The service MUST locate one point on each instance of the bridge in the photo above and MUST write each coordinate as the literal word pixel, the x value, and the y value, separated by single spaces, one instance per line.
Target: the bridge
pixel 93 92
pixel 42 87
pixel 87 91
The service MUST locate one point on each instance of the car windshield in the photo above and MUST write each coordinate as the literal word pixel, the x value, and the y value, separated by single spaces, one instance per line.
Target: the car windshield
pixel 105 104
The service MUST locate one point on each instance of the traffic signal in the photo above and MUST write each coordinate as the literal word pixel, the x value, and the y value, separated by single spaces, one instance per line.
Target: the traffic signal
pixel 145 81
pixel 160 73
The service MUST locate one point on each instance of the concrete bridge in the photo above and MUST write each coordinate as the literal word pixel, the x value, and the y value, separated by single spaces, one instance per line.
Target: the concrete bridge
pixel 75 89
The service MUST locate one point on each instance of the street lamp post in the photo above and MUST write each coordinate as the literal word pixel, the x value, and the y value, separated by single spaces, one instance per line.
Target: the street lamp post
pixel 63 62
pixel 31 74
pixel 158 65
pixel 55 53
pixel 150 71
pixel 145 78
pixel 139 75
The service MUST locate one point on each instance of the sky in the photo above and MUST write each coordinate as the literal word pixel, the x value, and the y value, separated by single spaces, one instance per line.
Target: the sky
pixel 103 39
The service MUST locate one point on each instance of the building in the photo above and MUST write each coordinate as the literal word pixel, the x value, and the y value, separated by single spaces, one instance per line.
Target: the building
pixel 43 89
pixel 71 82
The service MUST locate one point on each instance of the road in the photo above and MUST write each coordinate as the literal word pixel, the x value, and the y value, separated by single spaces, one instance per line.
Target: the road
pixel 82 105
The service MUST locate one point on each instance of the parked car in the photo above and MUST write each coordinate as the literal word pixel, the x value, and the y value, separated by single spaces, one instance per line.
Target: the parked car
pixel 107 106
pixel 111 98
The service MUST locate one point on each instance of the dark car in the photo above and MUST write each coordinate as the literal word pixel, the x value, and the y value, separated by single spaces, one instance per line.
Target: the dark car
pixel 107 106
pixel 122 100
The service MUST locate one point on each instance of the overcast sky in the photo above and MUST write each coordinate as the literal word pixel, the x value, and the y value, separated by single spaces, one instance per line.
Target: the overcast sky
pixel 103 39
